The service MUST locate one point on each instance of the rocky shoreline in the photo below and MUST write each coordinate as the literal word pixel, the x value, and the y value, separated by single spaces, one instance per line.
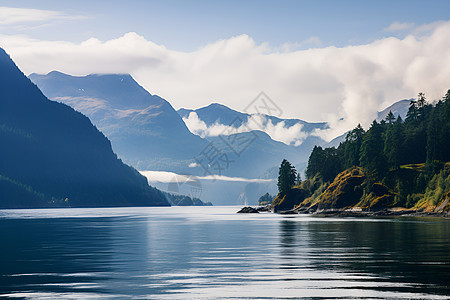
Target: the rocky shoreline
pixel 351 213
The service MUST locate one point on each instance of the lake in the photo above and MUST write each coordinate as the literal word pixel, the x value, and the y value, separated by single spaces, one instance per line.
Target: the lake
pixel 214 253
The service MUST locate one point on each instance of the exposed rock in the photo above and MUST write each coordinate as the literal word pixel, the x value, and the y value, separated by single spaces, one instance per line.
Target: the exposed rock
pixel 263 208
pixel 248 210
pixel 444 205
pixel 289 200
pixel 383 197
pixel 345 191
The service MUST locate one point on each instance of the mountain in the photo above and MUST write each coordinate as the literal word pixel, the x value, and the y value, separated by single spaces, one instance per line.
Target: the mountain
pixel 52 156
pixel 144 129
pixel 399 108
pixel 146 132
pixel 265 153
pixel 216 113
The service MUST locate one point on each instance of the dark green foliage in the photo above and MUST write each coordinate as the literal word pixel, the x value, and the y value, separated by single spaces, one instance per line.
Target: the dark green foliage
pixel 325 162
pixel 183 200
pixel 344 191
pixel 404 156
pixel 50 153
pixel 265 199
pixel 393 144
pixel 352 146
pixel 390 118
pixel 371 153
pixel 289 200
pixel 286 176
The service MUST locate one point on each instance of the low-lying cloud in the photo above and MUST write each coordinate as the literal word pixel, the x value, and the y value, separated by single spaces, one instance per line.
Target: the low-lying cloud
pixel 320 84
pixel 290 135
pixel 169 177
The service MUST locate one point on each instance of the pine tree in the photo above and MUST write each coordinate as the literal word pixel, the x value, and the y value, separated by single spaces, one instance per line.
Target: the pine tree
pixel 392 144
pixel 315 162
pixel 390 118
pixel 372 156
pixel 286 176
pixel 421 100
pixel 352 147
pixel 412 114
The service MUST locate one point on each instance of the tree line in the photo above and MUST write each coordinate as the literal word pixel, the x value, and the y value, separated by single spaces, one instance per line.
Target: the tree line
pixel 423 139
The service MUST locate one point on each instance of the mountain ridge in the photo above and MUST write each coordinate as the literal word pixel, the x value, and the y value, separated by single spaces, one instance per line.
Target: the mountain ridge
pixel 54 152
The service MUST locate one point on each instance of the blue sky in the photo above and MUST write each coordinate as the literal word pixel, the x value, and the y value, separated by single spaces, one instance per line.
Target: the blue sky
pixel 188 25
pixel 334 61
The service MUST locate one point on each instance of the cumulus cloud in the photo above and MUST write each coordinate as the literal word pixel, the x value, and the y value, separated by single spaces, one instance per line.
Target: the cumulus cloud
pixel 344 86
pixel 290 135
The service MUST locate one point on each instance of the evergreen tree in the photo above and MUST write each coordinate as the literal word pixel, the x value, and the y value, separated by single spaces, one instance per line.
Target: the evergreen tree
pixel 372 156
pixel 325 162
pixel 286 176
pixel 265 199
pixel 421 101
pixel 412 114
pixel 392 144
pixel 315 162
pixel 352 146
pixel 390 118
pixel 444 135
pixel 433 138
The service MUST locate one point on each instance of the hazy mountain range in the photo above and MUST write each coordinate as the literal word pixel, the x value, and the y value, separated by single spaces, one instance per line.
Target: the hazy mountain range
pixel 149 134
pixel 144 129
pixel 52 155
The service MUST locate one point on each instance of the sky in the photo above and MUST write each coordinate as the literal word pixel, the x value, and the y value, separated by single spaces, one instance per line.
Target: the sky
pixel 334 61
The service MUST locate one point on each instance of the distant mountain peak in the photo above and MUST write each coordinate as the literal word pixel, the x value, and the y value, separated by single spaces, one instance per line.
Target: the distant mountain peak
pixel 144 129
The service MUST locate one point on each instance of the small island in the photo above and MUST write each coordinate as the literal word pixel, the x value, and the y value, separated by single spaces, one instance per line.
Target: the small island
pixel 396 167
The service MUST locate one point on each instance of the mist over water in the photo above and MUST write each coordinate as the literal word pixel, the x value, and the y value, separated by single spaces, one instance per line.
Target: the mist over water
pixel 212 252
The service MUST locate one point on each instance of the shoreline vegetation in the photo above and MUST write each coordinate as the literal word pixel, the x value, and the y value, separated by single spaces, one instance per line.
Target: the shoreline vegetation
pixel 395 168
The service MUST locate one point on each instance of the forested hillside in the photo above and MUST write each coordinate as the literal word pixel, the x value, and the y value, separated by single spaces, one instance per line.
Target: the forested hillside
pixel 408 158
pixel 52 156
pixel 395 163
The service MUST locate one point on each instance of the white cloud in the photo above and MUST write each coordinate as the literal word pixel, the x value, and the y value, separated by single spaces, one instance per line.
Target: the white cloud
pixel 170 177
pixel 278 132
pixel 13 16
pixel 233 179
pixel 397 26
pixel 320 84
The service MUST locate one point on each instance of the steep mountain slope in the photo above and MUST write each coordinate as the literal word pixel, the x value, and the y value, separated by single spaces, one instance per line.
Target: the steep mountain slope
pixel 144 129
pixel 51 155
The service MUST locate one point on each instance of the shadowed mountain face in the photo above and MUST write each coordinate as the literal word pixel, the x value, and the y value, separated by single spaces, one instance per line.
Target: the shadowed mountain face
pixel 51 155
pixel 144 129
pixel 149 134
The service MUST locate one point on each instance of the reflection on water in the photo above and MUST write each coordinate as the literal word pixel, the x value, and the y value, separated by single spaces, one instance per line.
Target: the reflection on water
pixel 212 252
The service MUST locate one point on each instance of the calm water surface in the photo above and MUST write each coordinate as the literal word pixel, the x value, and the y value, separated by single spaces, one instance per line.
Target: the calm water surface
pixel 214 253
